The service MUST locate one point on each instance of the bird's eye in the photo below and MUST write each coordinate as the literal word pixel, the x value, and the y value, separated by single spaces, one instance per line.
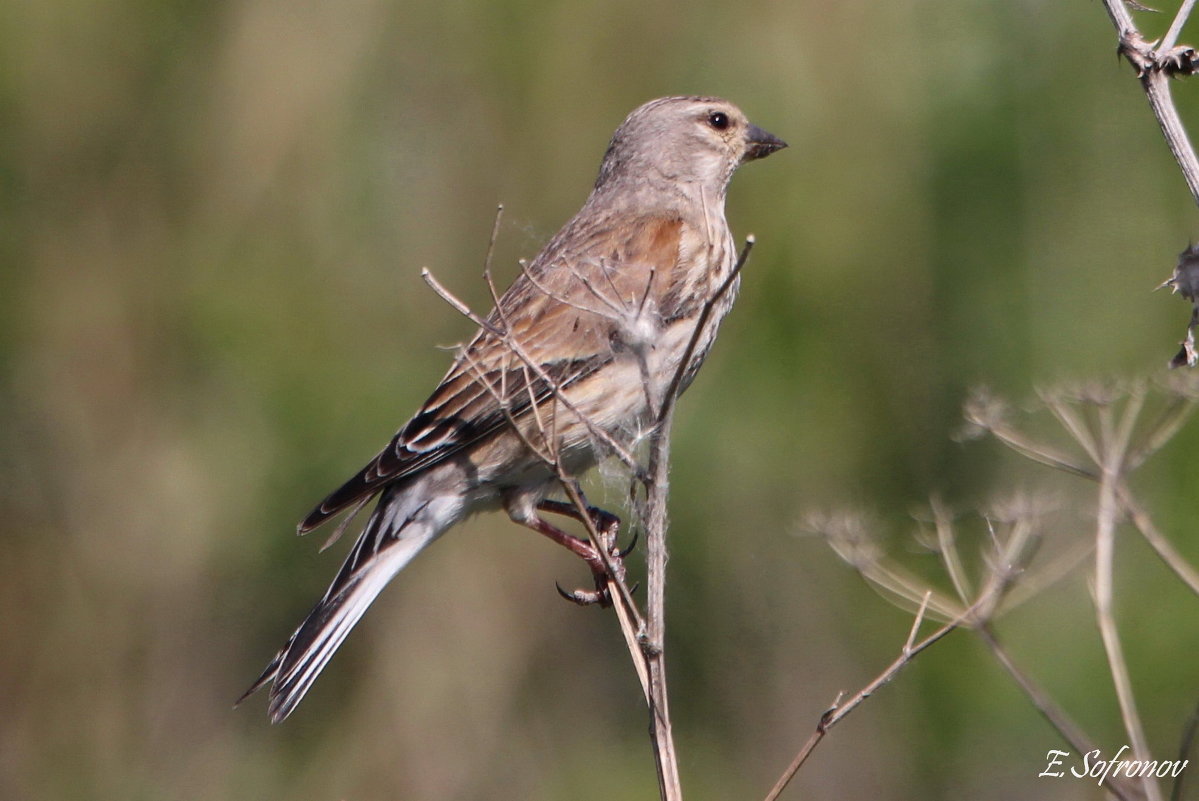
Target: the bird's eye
pixel 718 120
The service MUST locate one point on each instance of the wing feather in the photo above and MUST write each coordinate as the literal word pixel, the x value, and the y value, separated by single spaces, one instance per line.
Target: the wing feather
pixel 564 313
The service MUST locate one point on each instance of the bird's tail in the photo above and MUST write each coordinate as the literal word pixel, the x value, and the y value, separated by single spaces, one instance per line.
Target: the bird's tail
pixel 397 531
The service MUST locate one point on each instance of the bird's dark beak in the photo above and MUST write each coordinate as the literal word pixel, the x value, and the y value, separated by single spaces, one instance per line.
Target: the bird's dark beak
pixel 761 144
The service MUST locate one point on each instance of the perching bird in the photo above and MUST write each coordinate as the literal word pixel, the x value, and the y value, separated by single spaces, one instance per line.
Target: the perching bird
pixel 603 316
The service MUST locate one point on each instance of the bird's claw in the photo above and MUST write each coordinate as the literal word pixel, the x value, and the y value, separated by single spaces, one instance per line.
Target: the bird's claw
pixel 586 597
pixel 628 549
pixel 601 595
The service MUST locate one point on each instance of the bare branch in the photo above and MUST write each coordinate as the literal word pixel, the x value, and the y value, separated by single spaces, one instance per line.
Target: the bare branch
pixel 1180 19
pixel 949 553
pixel 916 623
pixel 495 233
pixel 458 305
pixel 672 391
pixel 1073 422
pixel 1120 16
pixel 835 713
pixel 616 306
pixel 1172 418
pixel 612 314
pixel 600 435
pixel 1115 448
pixel 1054 714
pixel 501 399
pixel 550 456
pixel 615 580
pixel 1030 448
pixel 654 517
pixel 1154 67
pixel 1162 547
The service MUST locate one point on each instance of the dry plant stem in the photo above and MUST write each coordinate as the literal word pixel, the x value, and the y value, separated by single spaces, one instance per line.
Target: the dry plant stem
pixel 653 642
pixel 1056 716
pixel 1115 446
pixel 672 393
pixel 1003 574
pixel 1180 19
pixel 597 432
pixel 657 490
pixel 833 715
pixel 657 485
pixel 1169 424
pixel 1162 547
pixel 1155 82
pixel 1157 88
pixel 1026 446
pixel 1074 423
pixel 631 623
pixel 949 552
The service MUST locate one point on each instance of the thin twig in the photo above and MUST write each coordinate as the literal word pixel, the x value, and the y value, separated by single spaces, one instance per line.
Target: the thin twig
pixel 459 306
pixel 835 713
pixel 495 235
pixel 565 301
pixel 637 625
pixel 1171 38
pixel 1161 546
pixel 1120 16
pixel 1114 450
pixel 916 623
pixel 1073 422
pixel 1155 80
pixel 1172 418
pixel 1157 88
pixel 947 546
pixel 1052 713
pixel 657 489
pixel 897 585
pixel 602 436
pixel 650 667
pixel 617 587
pixel 1034 450
pixel 501 399
pixel 672 392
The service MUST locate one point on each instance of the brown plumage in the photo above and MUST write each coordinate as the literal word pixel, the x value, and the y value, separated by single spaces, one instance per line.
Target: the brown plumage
pixel 615 295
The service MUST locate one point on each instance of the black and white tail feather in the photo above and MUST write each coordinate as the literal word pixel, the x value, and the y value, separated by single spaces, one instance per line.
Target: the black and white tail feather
pixel 404 522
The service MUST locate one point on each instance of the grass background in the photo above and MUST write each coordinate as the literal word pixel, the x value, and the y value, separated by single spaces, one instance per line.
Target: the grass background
pixel 212 218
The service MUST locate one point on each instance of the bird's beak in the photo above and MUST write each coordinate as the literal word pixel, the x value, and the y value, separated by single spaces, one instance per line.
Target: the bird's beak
pixel 761 144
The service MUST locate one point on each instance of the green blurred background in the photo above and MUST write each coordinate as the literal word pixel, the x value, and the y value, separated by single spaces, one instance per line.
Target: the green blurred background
pixel 212 218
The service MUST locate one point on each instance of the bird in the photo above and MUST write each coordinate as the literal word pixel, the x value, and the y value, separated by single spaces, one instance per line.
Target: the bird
pixel 573 360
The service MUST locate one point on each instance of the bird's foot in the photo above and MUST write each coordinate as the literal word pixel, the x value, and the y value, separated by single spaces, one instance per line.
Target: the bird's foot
pixel 603 571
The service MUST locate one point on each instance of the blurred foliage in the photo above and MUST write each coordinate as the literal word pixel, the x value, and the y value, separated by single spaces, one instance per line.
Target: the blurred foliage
pixel 212 217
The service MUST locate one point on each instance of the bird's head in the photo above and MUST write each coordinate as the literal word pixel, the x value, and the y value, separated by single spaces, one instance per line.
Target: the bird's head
pixel 688 140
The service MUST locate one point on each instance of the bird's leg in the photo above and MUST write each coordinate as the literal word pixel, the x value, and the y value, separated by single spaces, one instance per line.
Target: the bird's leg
pixel 606 524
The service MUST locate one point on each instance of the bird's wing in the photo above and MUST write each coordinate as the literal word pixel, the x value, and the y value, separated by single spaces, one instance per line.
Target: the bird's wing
pixel 563 311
